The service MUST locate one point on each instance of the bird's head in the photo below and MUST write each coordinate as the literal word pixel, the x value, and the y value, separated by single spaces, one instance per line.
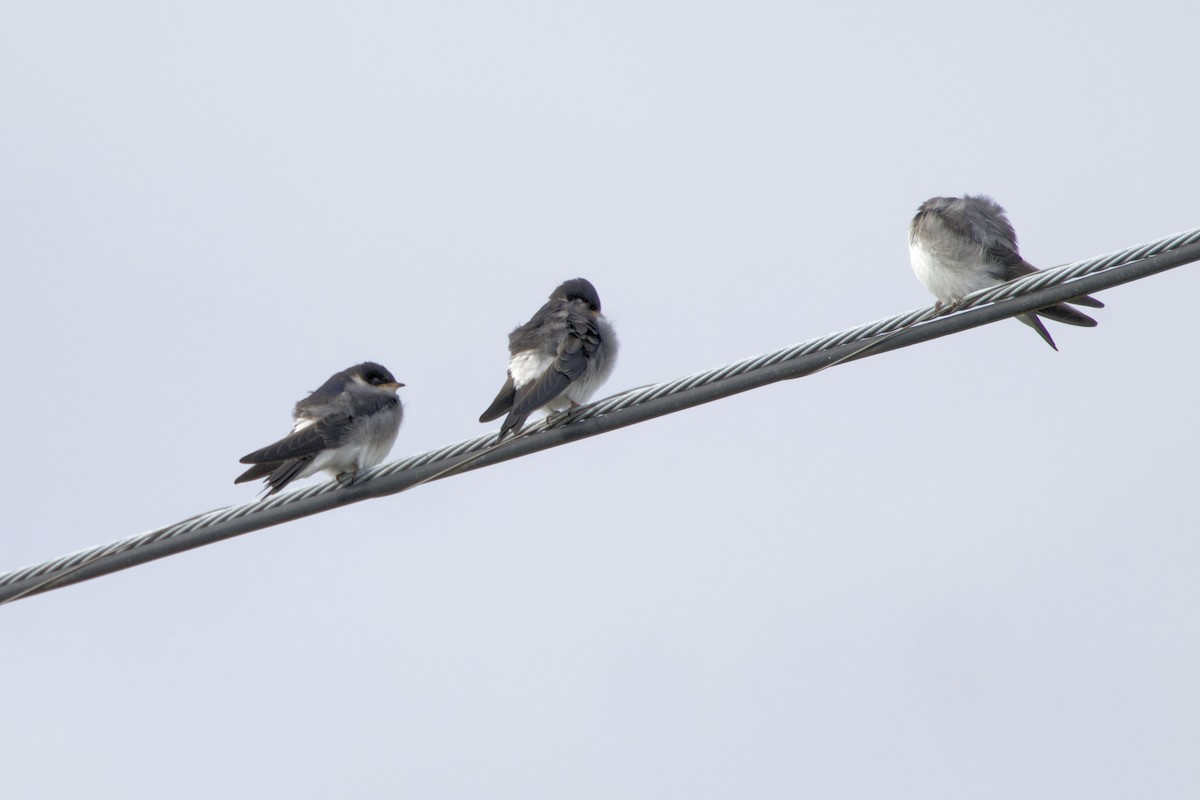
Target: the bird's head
pixel 580 289
pixel 373 374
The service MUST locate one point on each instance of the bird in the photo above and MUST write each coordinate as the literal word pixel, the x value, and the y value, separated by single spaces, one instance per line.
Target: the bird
pixel 347 425
pixel 958 245
pixel 558 359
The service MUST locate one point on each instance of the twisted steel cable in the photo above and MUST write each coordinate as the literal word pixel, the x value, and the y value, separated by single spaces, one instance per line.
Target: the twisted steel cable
pixel 626 408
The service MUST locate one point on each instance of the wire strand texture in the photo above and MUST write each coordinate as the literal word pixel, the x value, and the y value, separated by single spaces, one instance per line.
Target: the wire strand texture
pixel 620 410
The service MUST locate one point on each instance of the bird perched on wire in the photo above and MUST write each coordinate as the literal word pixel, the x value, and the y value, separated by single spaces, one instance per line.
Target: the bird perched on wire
pixel 958 245
pixel 347 425
pixel 558 359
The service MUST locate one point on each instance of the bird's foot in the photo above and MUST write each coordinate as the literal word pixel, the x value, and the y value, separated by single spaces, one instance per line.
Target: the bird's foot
pixel 947 308
pixel 558 417
pixel 346 478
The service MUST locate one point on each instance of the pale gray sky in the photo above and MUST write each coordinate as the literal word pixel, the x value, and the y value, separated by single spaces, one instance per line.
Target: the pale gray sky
pixel 967 569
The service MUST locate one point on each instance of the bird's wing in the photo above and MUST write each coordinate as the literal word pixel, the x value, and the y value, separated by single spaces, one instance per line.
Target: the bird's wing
pixel 1019 268
pixel 1086 300
pixel 1034 322
pixel 302 443
pixel 1006 264
pixel 502 403
pixel 1064 313
pixel 571 361
pixel 278 473
pixel 260 470
pixel 982 222
pixel 329 431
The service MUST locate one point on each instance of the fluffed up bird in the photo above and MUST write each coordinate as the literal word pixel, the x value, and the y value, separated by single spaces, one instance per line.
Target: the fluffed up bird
pixel 347 425
pixel 558 359
pixel 958 245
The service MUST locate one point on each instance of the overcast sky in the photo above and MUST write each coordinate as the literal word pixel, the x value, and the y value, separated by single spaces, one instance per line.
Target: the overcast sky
pixel 965 569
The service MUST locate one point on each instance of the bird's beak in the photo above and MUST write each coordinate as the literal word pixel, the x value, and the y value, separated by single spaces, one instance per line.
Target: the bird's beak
pixel 394 385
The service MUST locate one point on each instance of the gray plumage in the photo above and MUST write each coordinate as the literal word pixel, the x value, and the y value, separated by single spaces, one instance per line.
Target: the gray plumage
pixel 558 359
pixel 959 245
pixel 347 425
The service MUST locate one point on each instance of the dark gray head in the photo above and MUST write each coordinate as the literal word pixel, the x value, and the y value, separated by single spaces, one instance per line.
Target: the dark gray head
pixel 936 204
pixel 373 374
pixel 977 217
pixel 578 289
pixel 367 373
pixel 977 204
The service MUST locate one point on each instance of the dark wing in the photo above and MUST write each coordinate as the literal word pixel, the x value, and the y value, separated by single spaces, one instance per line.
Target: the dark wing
pixel 1060 312
pixel 260 470
pixel 980 221
pixel 282 461
pixel 307 441
pixel 327 432
pixel 278 473
pixel 1006 264
pixel 1020 267
pixel 502 403
pixel 1064 313
pixel 538 334
pixel 574 353
pixel 1085 300
pixel 983 220
pixel 340 406
pixel 1032 321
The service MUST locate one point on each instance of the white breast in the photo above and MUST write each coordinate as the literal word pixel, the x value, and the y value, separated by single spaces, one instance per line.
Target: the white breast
pixel 949 277
pixel 526 367
pixel 366 447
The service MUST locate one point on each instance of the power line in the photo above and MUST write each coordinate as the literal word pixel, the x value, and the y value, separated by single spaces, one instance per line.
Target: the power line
pixel 627 408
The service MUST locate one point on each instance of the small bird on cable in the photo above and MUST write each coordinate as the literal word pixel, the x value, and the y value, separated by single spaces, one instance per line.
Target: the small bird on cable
pixel 347 425
pixel 959 245
pixel 558 359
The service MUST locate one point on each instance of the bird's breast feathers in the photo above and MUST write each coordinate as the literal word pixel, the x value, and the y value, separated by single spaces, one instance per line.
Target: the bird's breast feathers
pixel 949 276
pixel 367 444
pixel 527 366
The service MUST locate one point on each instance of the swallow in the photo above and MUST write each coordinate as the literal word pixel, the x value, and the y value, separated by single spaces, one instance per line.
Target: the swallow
pixel 347 425
pixel 558 359
pixel 960 245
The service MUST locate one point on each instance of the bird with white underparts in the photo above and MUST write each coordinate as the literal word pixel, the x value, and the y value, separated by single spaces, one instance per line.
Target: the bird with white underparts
pixel 347 425
pixel 558 359
pixel 959 245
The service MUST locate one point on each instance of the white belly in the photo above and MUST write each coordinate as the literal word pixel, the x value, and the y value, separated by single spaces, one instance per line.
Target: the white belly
pixel 949 278
pixel 367 447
